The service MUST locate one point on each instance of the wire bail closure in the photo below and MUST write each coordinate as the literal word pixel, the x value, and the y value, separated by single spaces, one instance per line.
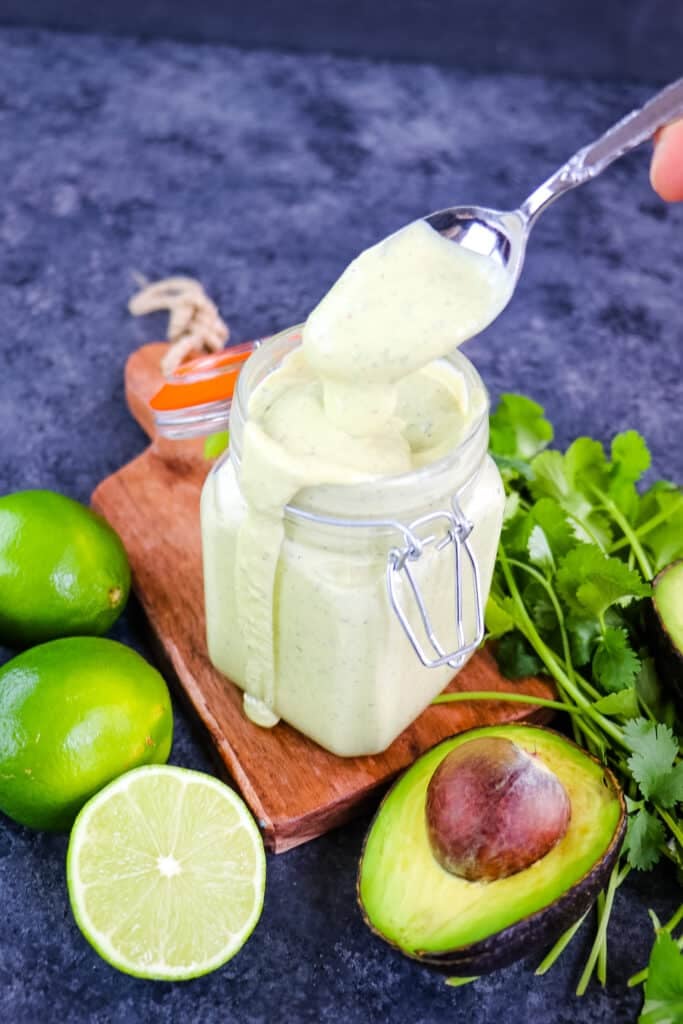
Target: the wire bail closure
pixel 457 531
pixel 399 560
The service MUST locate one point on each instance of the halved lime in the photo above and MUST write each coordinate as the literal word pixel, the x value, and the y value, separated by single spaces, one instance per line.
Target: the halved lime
pixel 166 873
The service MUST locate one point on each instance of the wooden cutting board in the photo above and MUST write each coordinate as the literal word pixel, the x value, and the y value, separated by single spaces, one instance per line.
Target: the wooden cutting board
pixel 296 790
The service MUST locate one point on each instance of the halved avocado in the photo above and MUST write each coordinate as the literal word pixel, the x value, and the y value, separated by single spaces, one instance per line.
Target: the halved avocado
pixel 665 627
pixel 470 928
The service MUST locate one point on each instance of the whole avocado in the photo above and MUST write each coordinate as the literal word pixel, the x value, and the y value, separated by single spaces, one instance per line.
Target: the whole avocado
pixel 63 569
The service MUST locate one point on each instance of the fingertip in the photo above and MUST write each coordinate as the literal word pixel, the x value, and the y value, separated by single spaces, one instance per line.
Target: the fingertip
pixel 666 169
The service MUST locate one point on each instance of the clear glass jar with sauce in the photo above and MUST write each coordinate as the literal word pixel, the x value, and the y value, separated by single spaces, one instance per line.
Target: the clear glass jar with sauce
pixel 378 588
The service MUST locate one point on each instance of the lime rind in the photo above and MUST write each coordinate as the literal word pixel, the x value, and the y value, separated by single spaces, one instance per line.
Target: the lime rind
pixel 166 873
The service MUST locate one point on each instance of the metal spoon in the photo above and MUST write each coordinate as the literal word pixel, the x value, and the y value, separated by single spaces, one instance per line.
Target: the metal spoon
pixel 502 234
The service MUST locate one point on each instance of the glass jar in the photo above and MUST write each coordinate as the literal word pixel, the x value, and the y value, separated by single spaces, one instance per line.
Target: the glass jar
pixel 379 587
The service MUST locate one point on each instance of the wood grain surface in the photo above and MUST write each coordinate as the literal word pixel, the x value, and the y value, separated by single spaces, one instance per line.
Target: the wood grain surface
pixel 296 790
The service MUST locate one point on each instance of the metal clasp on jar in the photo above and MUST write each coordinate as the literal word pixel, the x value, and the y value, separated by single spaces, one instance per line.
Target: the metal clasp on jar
pixel 456 532
pixel 400 560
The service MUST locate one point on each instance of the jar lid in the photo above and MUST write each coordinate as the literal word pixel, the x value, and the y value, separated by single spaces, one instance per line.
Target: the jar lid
pixel 197 395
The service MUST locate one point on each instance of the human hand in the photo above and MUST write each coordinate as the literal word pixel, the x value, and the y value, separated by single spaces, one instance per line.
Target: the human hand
pixel 666 170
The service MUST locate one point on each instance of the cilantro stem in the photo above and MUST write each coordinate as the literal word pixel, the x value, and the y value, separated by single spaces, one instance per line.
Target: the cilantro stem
pixel 561 623
pixel 672 823
pixel 627 530
pixel 550 661
pixel 637 979
pixel 602 950
pixel 668 820
pixel 504 697
pixel 560 946
pixel 540 578
pixel 644 528
pixel 645 708
pixel 615 880
pixel 641 976
pixel 666 852
pixel 588 687
pixel 674 921
pixel 586 528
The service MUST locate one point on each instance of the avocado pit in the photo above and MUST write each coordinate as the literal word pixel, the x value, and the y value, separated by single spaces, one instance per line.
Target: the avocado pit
pixel 492 810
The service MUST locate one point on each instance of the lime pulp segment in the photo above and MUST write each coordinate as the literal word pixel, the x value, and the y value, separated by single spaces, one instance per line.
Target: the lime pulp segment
pixel 166 873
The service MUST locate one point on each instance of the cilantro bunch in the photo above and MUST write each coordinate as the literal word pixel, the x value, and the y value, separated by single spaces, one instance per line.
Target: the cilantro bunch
pixel 579 547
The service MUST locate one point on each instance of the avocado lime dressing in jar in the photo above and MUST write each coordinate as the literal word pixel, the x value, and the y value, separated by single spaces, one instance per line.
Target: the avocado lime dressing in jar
pixel 350 533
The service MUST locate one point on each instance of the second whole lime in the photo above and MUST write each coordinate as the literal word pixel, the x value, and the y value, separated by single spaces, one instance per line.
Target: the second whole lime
pixel 76 713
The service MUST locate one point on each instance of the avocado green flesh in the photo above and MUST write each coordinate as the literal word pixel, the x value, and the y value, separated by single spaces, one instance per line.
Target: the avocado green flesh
pixel 413 902
pixel 668 598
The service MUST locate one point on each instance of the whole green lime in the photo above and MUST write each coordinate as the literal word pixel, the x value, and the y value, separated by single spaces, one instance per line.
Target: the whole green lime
pixel 63 570
pixel 74 714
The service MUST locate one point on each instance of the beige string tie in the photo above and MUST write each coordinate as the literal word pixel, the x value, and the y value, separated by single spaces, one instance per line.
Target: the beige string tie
pixel 194 323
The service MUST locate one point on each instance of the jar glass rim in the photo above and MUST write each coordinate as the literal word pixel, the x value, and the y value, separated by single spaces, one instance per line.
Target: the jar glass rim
pixel 261 363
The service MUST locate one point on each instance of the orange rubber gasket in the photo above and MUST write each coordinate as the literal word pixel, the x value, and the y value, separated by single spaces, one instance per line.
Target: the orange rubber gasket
pixel 210 378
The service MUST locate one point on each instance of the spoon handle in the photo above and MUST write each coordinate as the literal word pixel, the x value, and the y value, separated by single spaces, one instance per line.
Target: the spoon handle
pixel 621 138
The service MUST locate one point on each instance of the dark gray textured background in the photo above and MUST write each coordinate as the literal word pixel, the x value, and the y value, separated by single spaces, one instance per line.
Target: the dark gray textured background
pixel 263 174
pixel 630 39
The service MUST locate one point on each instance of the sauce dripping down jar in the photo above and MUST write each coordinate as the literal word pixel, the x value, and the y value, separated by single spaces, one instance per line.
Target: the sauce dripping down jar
pixel 378 587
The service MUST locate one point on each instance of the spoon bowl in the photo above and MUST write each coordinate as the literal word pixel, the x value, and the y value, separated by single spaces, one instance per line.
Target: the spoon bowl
pixel 501 235
pixel 497 234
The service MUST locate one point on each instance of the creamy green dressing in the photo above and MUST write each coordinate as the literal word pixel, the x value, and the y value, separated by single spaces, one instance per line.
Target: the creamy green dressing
pixel 366 396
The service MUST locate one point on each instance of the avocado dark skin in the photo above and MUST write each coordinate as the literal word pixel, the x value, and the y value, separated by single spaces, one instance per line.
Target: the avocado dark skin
pixel 397 861
pixel 666 645
pixel 535 933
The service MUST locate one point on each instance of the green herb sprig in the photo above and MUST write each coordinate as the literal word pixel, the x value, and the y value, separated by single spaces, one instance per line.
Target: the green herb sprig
pixel 579 547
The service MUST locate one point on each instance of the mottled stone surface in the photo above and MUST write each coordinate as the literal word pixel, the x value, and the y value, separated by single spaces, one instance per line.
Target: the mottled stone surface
pixel 263 174
pixel 637 40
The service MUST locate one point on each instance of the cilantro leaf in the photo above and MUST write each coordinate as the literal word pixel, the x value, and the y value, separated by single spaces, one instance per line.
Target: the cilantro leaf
pixel 623 702
pixel 615 663
pixel 583 635
pixel 664 496
pixel 585 464
pixel 511 507
pixel 630 459
pixel 539 550
pixel 665 544
pixel 551 481
pixel 589 580
pixel 644 837
pixel 553 521
pixel 594 529
pixel 564 479
pixel 669 789
pixel 215 444
pixel 516 532
pixel 518 427
pixel 636 731
pixel 655 748
pixel 540 607
pixel 499 615
pixel 515 657
pixel 630 456
pixel 664 985
pixel 663 503
pixel 512 469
